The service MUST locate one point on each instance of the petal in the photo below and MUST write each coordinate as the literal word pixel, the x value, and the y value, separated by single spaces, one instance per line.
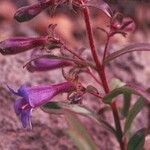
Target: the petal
pixel 23 92
pixel 12 91
pixel 18 106
pixel 43 94
pixel 23 111
pixel 25 118
pixel 39 95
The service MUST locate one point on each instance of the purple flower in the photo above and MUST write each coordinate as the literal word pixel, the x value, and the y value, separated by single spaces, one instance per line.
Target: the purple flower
pixel 36 96
pixel 20 44
pixel 28 12
pixel 46 64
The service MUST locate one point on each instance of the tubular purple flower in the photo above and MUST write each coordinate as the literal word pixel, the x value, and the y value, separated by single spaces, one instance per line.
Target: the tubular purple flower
pixel 20 44
pixel 28 12
pixel 33 97
pixel 46 64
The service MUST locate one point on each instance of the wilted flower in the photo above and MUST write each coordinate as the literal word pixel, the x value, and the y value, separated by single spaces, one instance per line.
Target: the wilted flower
pixel 36 96
pixel 20 44
pixel 28 12
pixel 45 64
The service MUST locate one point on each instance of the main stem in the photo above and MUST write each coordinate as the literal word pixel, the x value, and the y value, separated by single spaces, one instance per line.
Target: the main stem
pixel 101 72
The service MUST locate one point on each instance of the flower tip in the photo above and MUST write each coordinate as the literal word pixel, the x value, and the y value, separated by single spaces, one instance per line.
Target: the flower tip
pixel 11 90
pixel 26 120
pixel 28 12
pixel 20 18
pixel 23 111
pixel 22 15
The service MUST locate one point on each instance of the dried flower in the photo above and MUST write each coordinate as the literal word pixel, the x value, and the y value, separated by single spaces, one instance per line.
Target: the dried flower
pixel 20 44
pixel 36 96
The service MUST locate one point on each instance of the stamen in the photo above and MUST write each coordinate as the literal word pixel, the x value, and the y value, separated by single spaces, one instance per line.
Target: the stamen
pixel 25 106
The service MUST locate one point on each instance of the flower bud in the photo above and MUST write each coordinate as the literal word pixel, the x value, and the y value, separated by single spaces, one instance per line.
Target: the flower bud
pixel 20 44
pixel 28 12
pixel 46 64
pixel 123 24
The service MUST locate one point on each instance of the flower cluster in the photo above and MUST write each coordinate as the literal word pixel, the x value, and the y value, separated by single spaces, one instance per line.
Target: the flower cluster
pixel 32 97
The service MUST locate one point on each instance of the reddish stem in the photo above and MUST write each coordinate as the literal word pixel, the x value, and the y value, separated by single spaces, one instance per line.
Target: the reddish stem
pixel 101 72
pixel 93 76
pixel 105 49
pixel 100 68
pixel 72 52
pixel 97 95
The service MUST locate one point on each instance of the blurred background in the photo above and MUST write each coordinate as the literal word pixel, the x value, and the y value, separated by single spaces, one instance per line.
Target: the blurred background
pixel 48 130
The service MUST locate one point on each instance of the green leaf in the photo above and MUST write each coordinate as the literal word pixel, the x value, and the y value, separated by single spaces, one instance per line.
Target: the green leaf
pixel 52 108
pixel 52 105
pixel 125 89
pixel 79 133
pixel 137 107
pixel 126 103
pixel 61 107
pixel 114 93
pixel 138 90
pixel 136 142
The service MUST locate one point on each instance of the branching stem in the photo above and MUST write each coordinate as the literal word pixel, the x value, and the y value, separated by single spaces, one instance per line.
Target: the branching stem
pixel 101 72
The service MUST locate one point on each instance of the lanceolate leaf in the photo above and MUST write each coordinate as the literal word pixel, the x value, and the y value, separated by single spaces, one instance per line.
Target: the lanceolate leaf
pixel 53 107
pixel 138 90
pixel 60 107
pixel 125 89
pixel 114 93
pixel 126 103
pixel 127 49
pixel 137 107
pixel 76 130
pixel 136 142
pixel 79 133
